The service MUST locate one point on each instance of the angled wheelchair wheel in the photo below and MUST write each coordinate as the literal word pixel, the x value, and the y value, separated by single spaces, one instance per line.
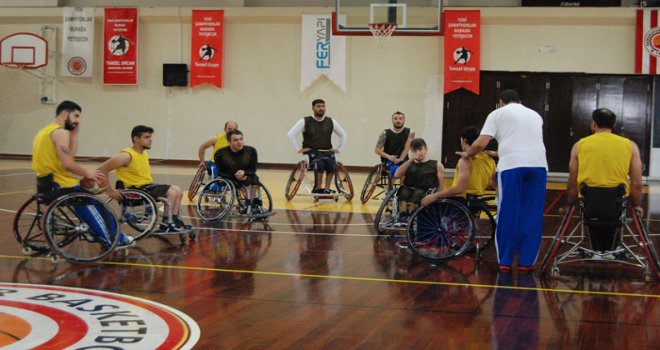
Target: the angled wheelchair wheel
pixel 649 247
pixel 387 212
pixel 295 180
pixel 216 199
pixel 80 228
pixel 196 182
pixel 343 182
pixel 266 198
pixel 139 212
pixel 373 180
pixel 440 231
pixel 27 226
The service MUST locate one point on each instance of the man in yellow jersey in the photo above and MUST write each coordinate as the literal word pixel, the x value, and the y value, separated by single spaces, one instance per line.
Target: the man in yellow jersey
pixel 605 160
pixel 472 176
pixel 217 142
pixel 53 160
pixel 133 171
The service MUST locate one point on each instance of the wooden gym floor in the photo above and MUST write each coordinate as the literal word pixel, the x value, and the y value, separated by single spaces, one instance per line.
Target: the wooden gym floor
pixel 316 276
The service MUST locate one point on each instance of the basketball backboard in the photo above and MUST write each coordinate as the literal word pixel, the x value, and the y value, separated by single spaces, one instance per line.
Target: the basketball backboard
pixel 412 17
pixel 24 50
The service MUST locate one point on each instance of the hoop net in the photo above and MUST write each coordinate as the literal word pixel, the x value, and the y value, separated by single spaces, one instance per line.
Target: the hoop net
pixel 382 33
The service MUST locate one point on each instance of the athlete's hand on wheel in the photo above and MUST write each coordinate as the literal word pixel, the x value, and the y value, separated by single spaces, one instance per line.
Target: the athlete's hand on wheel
pixel 334 150
pixel 426 200
pixel 639 209
pixel 304 150
pixel 114 194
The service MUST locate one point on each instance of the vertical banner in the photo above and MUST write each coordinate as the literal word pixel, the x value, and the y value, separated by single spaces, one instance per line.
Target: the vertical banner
pixel 462 50
pixel 322 53
pixel 120 44
pixel 647 42
pixel 206 47
pixel 77 42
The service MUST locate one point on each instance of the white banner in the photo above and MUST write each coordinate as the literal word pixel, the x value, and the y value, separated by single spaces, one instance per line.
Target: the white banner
pixel 322 53
pixel 77 42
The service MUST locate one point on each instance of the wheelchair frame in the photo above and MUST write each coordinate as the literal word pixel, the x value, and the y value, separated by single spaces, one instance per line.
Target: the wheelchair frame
pixel 297 179
pixel 222 193
pixel 629 239
pixel 60 230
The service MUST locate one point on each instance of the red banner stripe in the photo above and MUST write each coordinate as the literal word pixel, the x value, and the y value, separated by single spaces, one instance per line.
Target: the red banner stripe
pixel 120 46
pixel 462 50
pixel 652 59
pixel 639 37
pixel 206 47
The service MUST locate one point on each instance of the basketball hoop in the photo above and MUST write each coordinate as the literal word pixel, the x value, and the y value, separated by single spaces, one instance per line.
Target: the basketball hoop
pixel 382 33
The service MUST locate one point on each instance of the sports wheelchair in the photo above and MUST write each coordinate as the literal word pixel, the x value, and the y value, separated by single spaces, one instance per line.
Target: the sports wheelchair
pixel 602 207
pixel 204 171
pixel 443 230
pixel 381 176
pixel 217 198
pixel 62 227
pixel 139 214
pixel 297 179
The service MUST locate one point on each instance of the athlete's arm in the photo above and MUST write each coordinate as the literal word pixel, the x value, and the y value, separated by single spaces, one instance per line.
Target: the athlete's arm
pixel 571 185
pixel 119 160
pixel 401 171
pixel 61 141
pixel 380 147
pixel 202 149
pixel 464 168
pixel 295 130
pixel 635 172
pixel 406 148
pixel 337 129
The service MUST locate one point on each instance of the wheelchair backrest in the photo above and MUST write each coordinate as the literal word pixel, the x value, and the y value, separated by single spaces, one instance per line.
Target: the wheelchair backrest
pixel 603 204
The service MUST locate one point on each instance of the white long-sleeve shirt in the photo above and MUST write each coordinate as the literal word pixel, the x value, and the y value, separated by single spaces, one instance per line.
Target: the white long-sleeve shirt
pixel 300 125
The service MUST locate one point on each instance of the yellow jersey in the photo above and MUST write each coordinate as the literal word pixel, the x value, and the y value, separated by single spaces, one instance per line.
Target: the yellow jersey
pixel 138 172
pixel 220 142
pixel 604 160
pixel 482 168
pixel 45 160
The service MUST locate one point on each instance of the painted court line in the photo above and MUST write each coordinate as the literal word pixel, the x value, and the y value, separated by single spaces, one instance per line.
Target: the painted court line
pixel 363 279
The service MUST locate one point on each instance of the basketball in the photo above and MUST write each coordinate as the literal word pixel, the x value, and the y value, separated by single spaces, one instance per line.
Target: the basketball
pixel 91 186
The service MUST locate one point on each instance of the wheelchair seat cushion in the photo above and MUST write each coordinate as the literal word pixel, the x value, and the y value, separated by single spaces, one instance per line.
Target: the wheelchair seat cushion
pixel 603 205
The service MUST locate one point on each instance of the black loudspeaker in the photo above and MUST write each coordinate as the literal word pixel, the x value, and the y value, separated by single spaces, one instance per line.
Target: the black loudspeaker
pixel 175 74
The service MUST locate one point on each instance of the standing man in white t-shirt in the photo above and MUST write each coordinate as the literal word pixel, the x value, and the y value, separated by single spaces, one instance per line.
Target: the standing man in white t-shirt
pixel 521 177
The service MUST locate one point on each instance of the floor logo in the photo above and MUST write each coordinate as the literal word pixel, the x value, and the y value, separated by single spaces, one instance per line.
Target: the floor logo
pixel 38 316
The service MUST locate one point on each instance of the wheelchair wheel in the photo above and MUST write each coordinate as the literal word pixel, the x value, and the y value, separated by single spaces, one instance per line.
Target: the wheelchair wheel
pixel 216 199
pixel 295 180
pixel 484 229
pixel 27 226
pixel 266 202
pixel 441 231
pixel 649 246
pixel 196 182
pixel 139 212
pixel 387 212
pixel 373 180
pixel 266 198
pixel 80 228
pixel 343 182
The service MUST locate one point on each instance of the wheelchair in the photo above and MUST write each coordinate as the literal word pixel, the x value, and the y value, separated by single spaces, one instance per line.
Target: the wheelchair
pixel 297 180
pixel 139 214
pixel 58 226
pixel 380 177
pixel 443 230
pixel 602 207
pixel 217 198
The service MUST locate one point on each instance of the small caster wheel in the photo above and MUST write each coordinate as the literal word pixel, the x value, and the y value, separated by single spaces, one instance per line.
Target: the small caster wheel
pixel 55 258
pixel 27 250
pixel 316 199
pixel 192 236
pixel 336 199
pixel 182 239
pixel 554 272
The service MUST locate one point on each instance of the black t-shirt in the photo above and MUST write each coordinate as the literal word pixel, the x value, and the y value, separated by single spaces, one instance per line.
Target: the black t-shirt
pixel 229 162
pixel 318 134
pixel 395 142
pixel 422 175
